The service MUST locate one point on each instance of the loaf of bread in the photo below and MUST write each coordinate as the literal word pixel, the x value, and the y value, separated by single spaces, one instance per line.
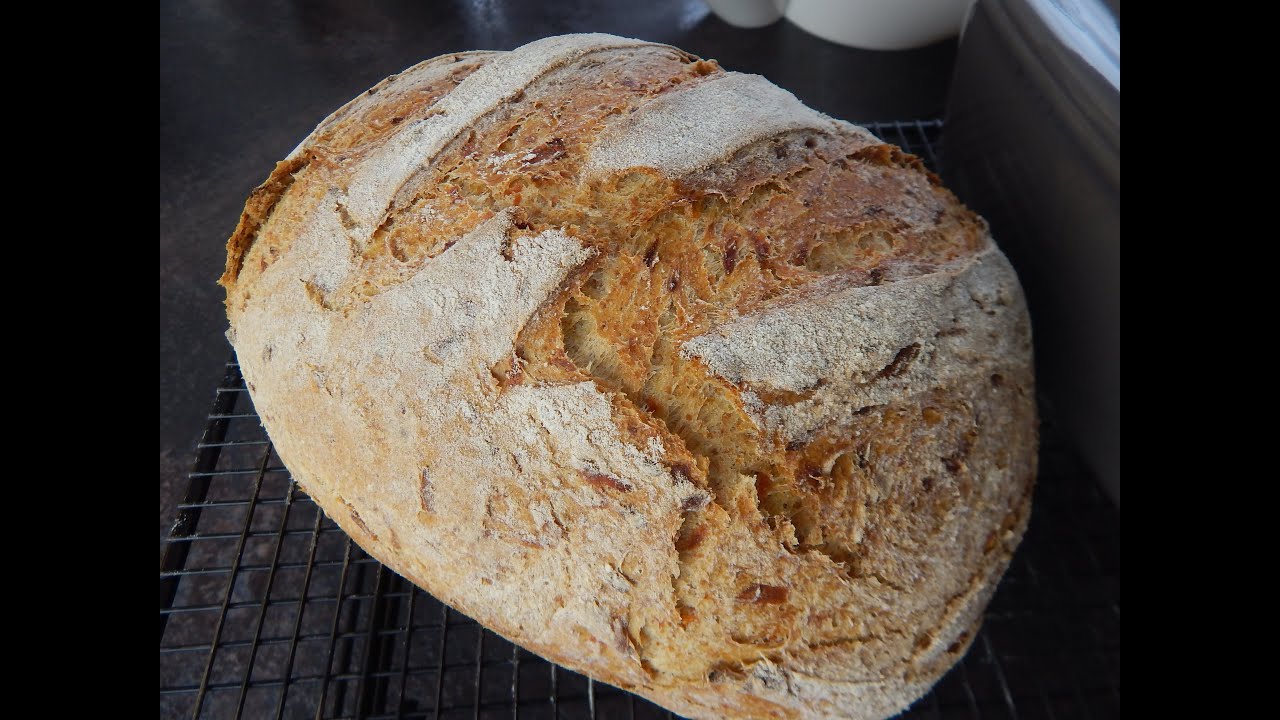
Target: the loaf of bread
pixel 650 369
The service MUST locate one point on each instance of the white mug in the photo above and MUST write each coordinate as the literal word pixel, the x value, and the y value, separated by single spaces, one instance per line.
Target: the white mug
pixel 748 13
pixel 867 24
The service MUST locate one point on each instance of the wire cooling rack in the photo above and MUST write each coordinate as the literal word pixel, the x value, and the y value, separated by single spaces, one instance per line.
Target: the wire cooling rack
pixel 268 610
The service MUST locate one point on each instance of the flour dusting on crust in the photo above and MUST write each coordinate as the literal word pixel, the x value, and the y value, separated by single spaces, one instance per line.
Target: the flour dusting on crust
pixel 699 126
pixel 856 346
pixel 502 78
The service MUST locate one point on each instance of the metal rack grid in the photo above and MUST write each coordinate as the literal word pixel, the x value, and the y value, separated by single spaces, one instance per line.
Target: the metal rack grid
pixel 268 610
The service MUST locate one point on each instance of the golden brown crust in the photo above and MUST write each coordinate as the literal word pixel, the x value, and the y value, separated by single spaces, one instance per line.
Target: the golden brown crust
pixel 747 427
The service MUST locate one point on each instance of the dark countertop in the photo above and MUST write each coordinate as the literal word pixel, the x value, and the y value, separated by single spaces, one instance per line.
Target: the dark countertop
pixel 242 82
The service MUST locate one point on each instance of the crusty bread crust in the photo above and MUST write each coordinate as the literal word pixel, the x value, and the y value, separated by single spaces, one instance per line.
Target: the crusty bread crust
pixel 650 369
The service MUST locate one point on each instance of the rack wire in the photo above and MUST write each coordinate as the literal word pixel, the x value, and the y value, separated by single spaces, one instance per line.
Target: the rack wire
pixel 268 610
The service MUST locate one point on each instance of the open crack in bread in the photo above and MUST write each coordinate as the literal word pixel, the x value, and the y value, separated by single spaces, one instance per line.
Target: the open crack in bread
pixel 650 369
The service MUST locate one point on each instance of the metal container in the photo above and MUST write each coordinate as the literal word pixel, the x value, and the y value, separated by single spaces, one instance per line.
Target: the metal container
pixel 1032 142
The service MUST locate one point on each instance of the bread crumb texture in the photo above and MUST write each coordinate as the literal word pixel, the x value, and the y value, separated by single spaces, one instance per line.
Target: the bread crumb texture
pixel 649 368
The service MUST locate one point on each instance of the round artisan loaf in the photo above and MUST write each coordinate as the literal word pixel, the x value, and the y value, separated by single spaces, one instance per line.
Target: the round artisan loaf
pixel 649 368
